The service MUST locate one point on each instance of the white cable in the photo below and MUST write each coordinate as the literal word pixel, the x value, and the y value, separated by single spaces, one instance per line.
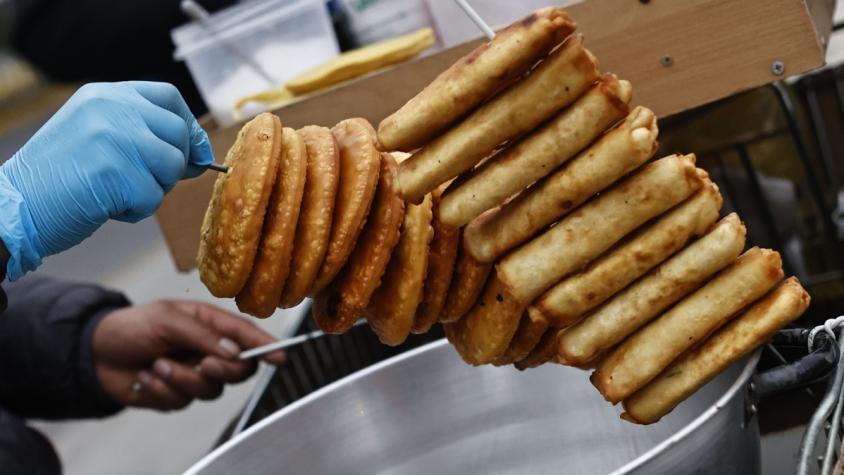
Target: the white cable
pixel 473 15
pixel 828 327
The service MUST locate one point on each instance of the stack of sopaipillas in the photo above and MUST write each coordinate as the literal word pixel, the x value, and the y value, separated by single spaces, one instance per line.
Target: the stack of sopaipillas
pixel 527 220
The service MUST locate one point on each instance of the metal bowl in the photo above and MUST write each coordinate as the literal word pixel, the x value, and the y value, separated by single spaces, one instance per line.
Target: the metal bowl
pixel 426 411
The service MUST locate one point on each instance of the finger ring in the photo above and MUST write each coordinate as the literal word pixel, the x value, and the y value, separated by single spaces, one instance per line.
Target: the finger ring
pixel 137 386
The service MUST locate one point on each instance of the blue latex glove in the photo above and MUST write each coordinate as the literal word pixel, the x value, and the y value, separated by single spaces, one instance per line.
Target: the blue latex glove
pixel 112 151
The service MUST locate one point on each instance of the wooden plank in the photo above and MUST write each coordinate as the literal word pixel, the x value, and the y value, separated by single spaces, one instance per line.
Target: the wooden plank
pixel 718 48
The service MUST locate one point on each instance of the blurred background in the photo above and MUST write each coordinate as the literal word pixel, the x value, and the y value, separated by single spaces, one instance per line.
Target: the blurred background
pixel 248 48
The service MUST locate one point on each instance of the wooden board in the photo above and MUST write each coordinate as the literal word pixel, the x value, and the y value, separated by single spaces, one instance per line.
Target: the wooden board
pixel 717 48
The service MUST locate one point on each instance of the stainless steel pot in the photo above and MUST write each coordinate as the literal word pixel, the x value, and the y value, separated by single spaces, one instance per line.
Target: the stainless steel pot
pixel 425 411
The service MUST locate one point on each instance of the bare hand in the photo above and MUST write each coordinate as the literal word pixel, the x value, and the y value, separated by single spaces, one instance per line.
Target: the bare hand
pixel 165 354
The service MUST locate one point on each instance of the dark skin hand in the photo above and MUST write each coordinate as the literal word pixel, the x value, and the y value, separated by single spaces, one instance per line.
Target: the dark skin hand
pixel 165 354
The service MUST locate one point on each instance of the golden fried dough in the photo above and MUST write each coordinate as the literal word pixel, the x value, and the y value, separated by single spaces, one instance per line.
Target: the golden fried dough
pixel 232 226
pixel 697 367
pixel 360 163
pixel 560 79
pixel 538 154
pixel 442 257
pixel 617 153
pixel 544 352
pixel 466 285
pixel 644 355
pixel 338 306
pixel 475 78
pixel 394 304
pixel 565 303
pixel 596 226
pixel 314 227
pixel 524 341
pixel 638 304
pixel 261 295
pixel 484 333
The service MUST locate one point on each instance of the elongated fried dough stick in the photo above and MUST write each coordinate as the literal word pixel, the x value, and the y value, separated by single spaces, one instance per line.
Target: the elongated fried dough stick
pixel 475 78
pixel 314 227
pixel 231 230
pixel 441 261
pixel 393 307
pixel 262 293
pixel 638 304
pixel 540 153
pixel 595 227
pixel 652 349
pixel 556 82
pixel 337 307
pixel 527 337
pixel 617 153
pixel 728 345
pixel 484 333
pixel 565 303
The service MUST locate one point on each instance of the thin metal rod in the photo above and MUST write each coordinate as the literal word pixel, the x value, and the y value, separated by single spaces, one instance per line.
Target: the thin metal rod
pixel 283 344
pixel 819 418
pixel 832 438
pixel 218 168
pixel 476 19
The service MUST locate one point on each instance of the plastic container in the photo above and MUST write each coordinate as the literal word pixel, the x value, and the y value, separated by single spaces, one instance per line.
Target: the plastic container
pixel 284 37
pixel 371 21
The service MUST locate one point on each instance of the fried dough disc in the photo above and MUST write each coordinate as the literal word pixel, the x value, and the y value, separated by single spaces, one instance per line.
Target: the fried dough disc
pixel 314 226
pixel 441 260
pixel 232 226
pixel 524 341
pixel 544 352
pixel 466 285
pixel 262 292
pixel 484 333
pixel 394 304
pixel 359 168
pixel 338 306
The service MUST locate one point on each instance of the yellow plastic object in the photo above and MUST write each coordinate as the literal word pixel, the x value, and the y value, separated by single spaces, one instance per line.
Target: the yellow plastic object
pixel 274 98
pixel 361 61
pixel 344 67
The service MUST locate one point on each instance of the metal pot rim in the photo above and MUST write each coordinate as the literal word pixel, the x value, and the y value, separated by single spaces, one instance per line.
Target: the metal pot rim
pixel 699 421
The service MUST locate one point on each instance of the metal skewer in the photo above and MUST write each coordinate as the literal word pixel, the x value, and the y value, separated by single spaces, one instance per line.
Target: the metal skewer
pixel 283 344
pixel 218 168
pixel 473 15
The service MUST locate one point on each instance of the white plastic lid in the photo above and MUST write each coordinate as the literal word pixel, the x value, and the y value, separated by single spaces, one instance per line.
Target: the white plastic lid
pixel 233 22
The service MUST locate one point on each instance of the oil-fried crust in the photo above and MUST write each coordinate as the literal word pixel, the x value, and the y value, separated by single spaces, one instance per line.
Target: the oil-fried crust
pixel 338 306
pixel 394 304
pixel 442 258
pixel 314 227
pixel 260 296
pixel 359 168
pixel 232 226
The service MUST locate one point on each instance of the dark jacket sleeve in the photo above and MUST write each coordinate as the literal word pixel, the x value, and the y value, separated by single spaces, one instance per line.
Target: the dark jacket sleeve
pixel 46 360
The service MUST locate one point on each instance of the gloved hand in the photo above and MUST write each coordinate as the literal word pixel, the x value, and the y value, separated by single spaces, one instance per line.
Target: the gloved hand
pixel 112 151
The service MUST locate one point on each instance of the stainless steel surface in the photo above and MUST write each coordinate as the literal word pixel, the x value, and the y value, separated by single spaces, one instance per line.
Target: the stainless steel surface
pixel 425 411
pixel 806 461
